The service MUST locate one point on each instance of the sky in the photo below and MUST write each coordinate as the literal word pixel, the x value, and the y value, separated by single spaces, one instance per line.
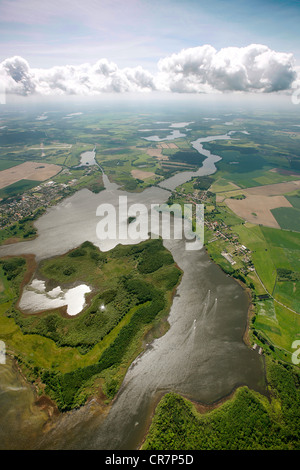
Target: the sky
pixel 113 46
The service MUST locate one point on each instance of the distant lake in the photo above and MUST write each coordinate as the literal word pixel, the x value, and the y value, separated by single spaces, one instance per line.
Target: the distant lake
pixel 88 158
pixel 173 135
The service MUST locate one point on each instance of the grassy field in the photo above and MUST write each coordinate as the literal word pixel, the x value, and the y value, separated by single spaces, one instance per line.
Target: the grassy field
pixel 279 325
pixel 271 249
pixel 222 185
pixel 252 237
pixel 274 249
pixel 18 188
pixel 287 217
pixel 294 200
pixel 5 164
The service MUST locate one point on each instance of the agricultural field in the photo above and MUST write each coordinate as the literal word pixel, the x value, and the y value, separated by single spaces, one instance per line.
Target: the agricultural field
pixel 270 266
pixel 28 171
pixel 221 185
pixel 294 199
pixel 264 205
pixel 288 218
pixel 259 209
pixel 5 164
pixel 273 250
pixel 18 188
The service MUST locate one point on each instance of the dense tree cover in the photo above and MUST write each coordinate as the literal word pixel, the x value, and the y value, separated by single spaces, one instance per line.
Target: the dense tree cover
pixel 152 258
pixel 166 172
pixel 203 182
pixel 248 421
pixel 65 388
pixel 130 185
pixel 295 163
pixel 287 275
pixel 12 267
pixel 191 157
pixel 238 197
pixel 96 186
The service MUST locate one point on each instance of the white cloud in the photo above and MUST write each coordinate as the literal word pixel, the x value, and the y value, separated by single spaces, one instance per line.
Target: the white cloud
pixel 203 69
pixel 85 79
pixel 16 76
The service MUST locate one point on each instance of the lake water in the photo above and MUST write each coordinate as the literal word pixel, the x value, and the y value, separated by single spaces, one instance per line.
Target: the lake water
pixel 176 134
pixel 202 356
pixel 208 166
pixel 88 158
pixel 21 421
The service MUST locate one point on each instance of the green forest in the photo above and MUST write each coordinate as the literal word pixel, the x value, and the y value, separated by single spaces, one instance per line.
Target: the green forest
pixel 248 421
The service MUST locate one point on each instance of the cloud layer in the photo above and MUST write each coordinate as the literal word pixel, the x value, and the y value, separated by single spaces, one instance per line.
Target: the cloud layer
pixel 203 69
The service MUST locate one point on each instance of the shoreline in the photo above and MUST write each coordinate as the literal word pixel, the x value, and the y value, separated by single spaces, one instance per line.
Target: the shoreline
pixel 204 408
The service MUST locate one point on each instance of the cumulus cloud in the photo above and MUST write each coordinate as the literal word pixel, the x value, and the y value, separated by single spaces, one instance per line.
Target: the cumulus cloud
pixel 16 76
pixel 84 79
pixel 203 69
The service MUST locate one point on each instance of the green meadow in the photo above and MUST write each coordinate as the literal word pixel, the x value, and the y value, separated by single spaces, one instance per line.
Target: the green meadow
pixel 17 188
pixel 272 250
pixel 287 217
pixel 5 164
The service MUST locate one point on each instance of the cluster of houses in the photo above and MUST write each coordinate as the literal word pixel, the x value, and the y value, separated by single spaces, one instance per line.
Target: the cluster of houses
pixel 260 350
pixel 222 231
pixel 15 209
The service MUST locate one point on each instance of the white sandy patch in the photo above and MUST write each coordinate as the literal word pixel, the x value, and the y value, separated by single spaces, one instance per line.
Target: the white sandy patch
pixel 35 298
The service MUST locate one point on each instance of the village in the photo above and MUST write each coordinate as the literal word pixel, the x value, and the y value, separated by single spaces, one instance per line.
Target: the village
pixel 15 209
pixel 25 205
pixel 218 231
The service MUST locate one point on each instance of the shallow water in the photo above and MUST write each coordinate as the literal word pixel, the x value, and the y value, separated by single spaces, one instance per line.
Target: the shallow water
pixel 21 421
